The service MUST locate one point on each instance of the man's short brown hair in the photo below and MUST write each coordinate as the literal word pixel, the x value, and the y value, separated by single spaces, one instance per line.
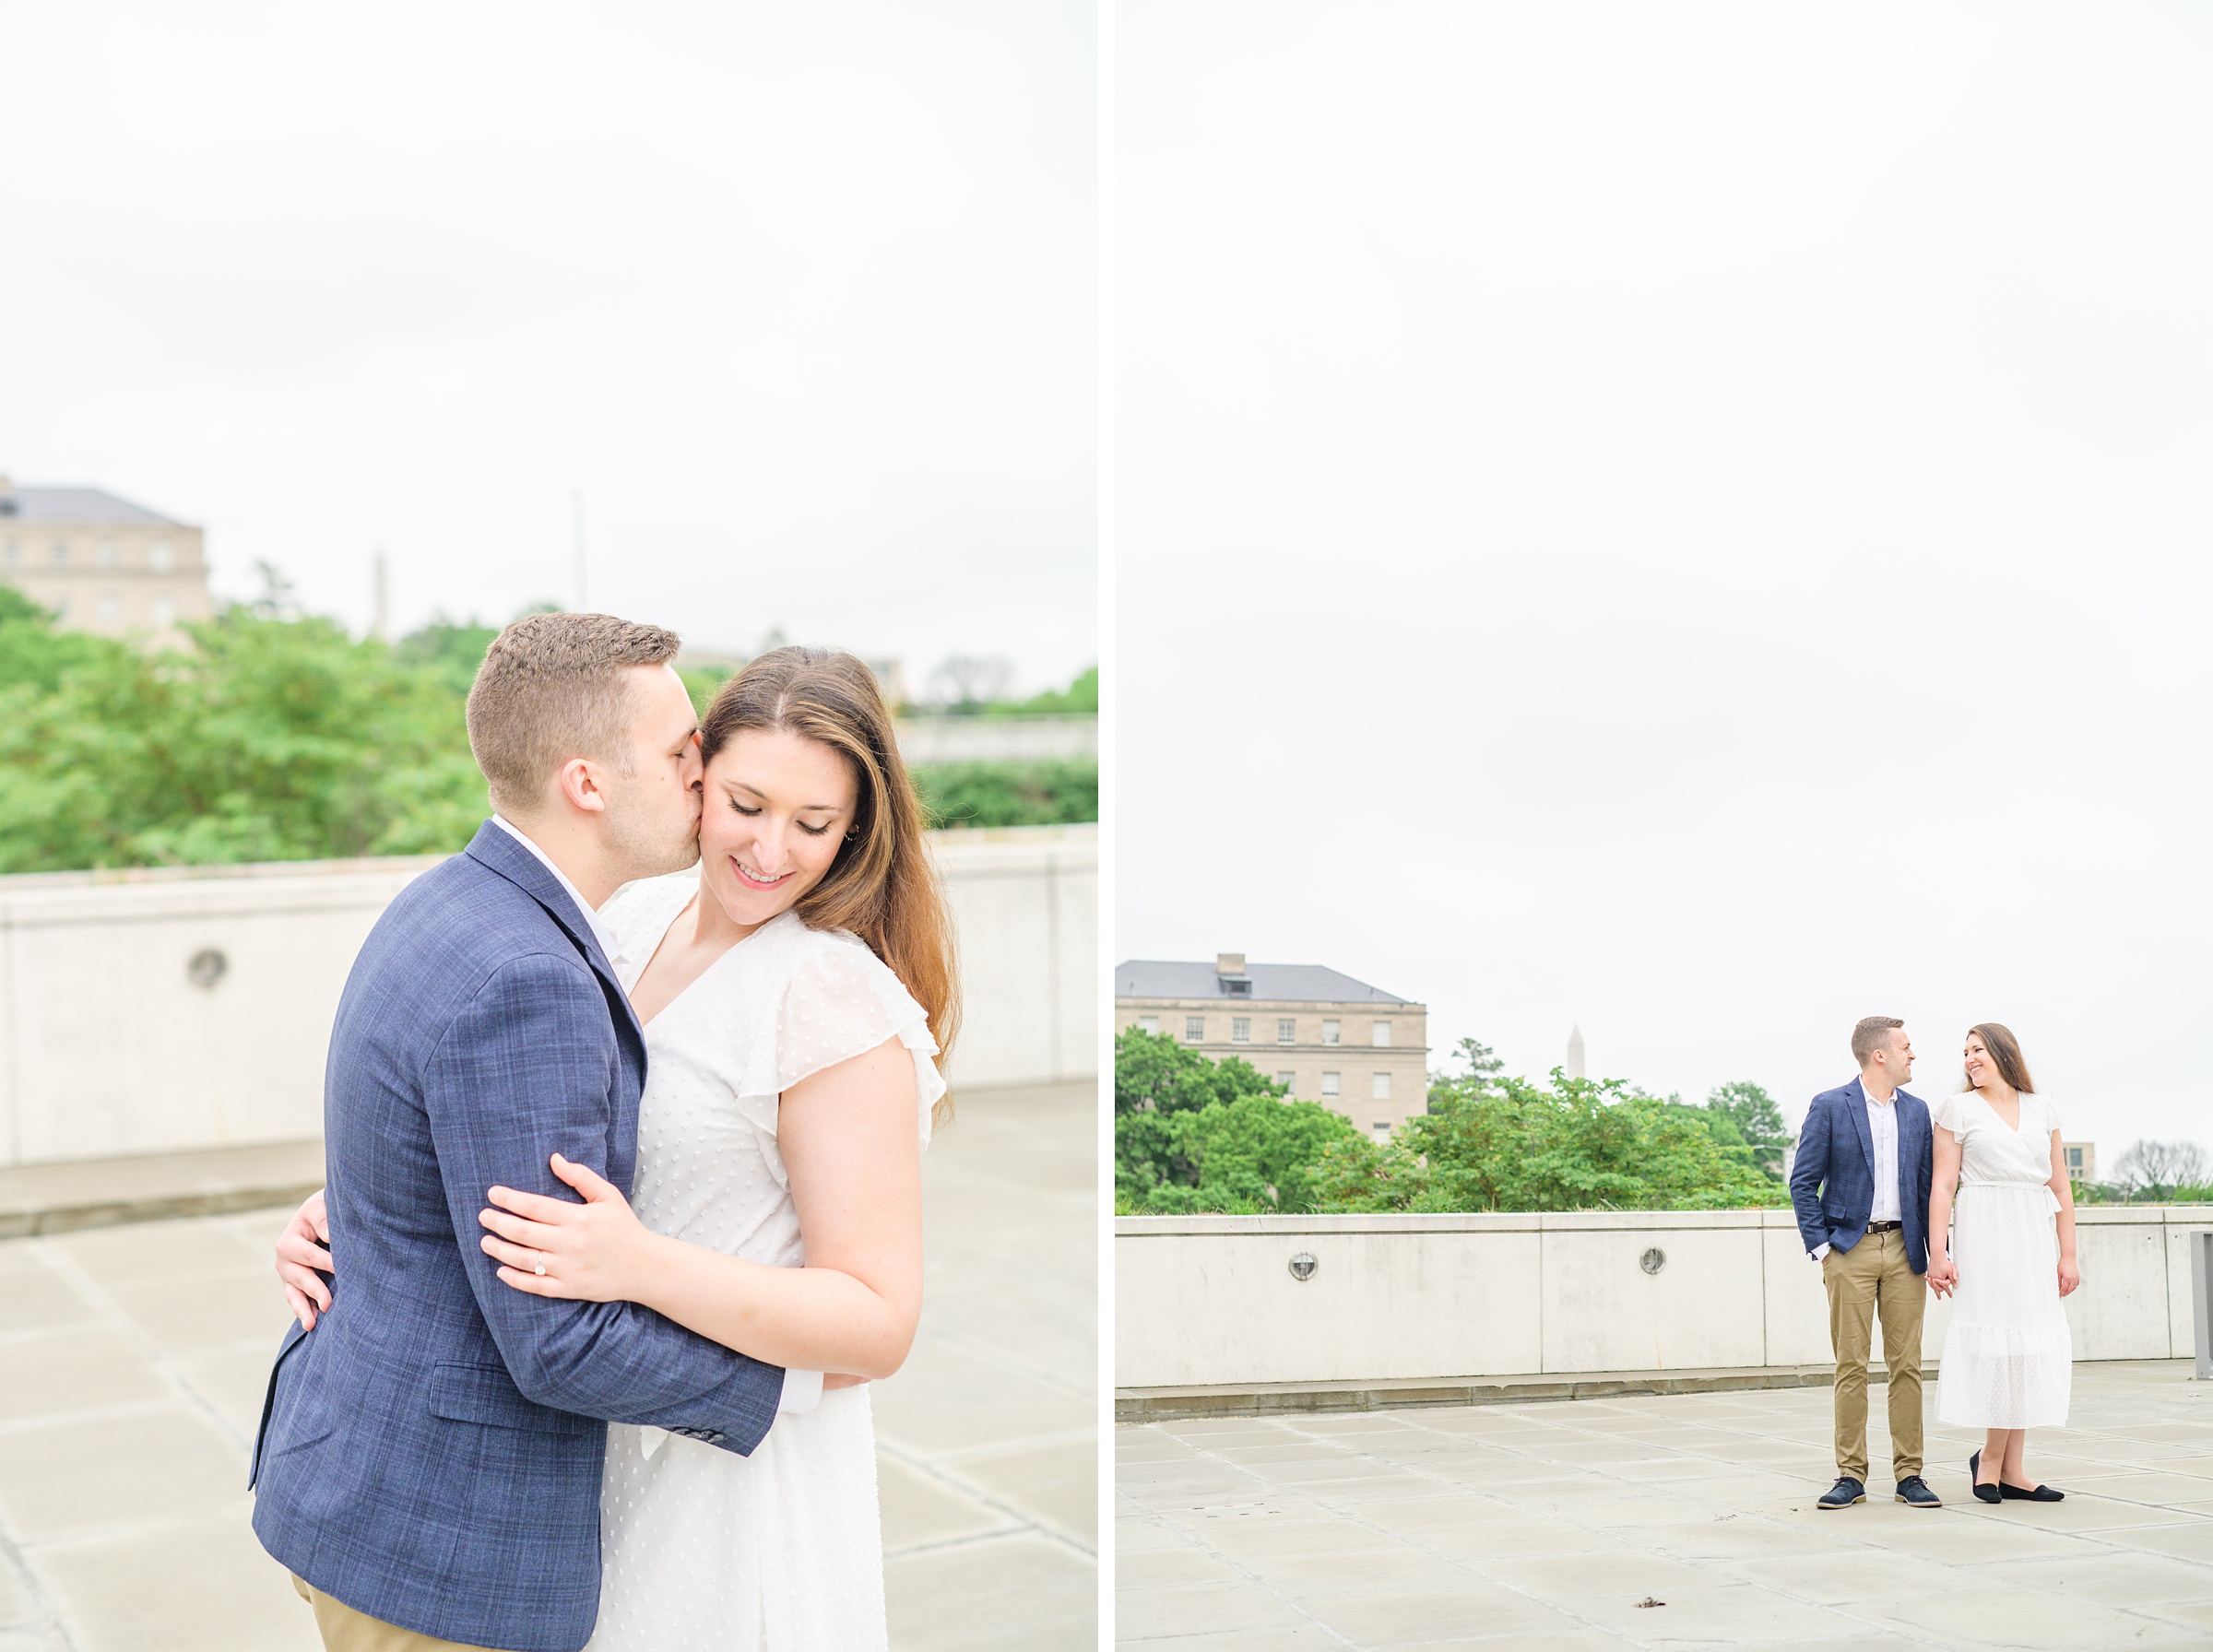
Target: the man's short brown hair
pixel 1873 1033
pixel 551 689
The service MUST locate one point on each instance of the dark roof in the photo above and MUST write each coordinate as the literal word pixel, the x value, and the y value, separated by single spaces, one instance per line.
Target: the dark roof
pixel 75 505
pixel 1271 983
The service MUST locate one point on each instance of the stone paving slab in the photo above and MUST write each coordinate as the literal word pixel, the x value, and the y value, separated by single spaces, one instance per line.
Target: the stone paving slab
pixel 132 1362
pixel 1547 1525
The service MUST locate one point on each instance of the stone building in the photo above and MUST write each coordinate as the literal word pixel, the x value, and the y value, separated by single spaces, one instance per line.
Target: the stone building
pixel 1355 1048
pixel 102 563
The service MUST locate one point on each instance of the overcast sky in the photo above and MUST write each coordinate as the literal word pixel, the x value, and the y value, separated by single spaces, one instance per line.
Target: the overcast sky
pixel 1687 520
pixel 800 298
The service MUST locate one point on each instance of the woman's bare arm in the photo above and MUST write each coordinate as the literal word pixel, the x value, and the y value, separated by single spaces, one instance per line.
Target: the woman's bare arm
pixel 2063 1189
pixel 853 1153
pixel 1944 1184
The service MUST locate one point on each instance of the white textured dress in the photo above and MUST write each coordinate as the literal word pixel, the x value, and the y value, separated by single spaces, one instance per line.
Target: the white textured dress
pixel 704 1550
pixel 2008 1357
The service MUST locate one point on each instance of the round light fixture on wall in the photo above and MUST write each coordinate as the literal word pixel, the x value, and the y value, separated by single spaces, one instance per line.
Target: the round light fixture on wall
pixel 1654 1260
pixel 207 967
pixel 1303 1267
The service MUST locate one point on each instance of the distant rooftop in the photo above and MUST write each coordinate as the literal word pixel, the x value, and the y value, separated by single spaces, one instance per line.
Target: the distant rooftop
pixel 1271 983
pixel 75 506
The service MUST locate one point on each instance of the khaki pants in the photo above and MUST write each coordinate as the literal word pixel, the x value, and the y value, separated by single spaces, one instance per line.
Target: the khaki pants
pixel 345 1630
pixel 1873 1277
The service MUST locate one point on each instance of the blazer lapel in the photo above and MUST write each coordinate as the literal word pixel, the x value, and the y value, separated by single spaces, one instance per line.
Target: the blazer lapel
pixel 493 847
pixel 1859 1125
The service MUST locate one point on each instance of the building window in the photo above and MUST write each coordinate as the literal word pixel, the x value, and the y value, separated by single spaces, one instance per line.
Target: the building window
pixel 1287 1030
pixel 61 551
pixel 1379 1036
pixel 111 609
pixel 1241 1029
pixel 1380 1088
pixel 1329 1083
pixel 1194 1028
pixel 164 610
pixel 14 553
pixel 163 558
pixel 1148 1023
pixel 2074 1158
pixel 61 611
pixel 1332 1031
pixel 1381 1126
pixel 1288 1080
pixel 107 553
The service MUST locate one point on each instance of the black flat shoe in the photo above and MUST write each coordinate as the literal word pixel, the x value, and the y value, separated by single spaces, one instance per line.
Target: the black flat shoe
pixel 1986 1493
pixel 1843 1494
pixel 2041 1495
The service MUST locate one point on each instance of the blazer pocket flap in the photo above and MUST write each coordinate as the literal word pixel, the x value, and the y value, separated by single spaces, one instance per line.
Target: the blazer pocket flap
pixel 487 1395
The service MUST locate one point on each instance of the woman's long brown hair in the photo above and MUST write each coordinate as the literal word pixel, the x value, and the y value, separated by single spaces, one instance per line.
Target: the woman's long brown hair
pixel 881 886
pixel 2006 1050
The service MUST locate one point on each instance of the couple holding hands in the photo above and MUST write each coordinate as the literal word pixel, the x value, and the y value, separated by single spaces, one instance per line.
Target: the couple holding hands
pixel 1972 1194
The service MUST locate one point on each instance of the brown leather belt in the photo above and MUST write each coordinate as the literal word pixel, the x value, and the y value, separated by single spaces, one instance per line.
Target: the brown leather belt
pixel 1885 1227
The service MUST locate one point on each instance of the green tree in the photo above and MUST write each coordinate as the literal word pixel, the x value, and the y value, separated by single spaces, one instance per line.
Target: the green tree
pixel 987 794
pixel 1756 1122
pixel 1191 1134
pixel 1080 696
pixel 280 738
pixel 1481 1077
pixel 1577 1144
pixel 1153 1073
pixel 450 649
pixel 1256 1153
pixel 273 740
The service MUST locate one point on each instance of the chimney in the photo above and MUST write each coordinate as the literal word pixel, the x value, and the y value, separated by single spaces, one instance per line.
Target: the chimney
pixel 8 497
pixel 1575 1052
pixel 1229 966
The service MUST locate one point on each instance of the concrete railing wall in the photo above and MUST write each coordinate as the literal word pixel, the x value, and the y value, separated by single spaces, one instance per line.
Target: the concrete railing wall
pixel 998 740
pixel 1211 1300
pixel 110 1046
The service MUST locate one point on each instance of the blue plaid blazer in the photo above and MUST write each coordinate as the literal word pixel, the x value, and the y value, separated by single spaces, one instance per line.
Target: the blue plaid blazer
pixel 1833 1177
pixel 430 1453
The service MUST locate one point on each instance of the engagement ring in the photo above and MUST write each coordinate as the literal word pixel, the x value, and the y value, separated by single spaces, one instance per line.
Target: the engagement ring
pixel 541 1271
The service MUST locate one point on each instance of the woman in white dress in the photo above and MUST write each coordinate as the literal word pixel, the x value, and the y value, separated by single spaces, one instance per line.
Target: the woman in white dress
pixel 2009 1358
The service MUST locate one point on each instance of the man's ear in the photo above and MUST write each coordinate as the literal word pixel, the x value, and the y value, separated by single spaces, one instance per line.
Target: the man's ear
pixel 578 780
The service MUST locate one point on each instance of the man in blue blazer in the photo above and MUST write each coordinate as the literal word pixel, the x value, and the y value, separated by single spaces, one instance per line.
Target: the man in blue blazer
pixel 430 1454
pixel 1860 1186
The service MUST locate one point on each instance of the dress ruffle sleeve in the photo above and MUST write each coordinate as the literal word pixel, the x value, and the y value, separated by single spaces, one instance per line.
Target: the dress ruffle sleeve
pixel 839 1001
pixel 1949 1113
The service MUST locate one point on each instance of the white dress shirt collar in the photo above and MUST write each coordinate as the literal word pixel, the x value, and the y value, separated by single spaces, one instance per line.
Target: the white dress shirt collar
pixel 591 915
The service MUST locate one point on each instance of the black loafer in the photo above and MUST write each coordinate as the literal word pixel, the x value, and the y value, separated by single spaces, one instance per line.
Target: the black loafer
pixel 1843 1494
pixel 1986 1493
pixel 1913 1492
pixel 2041 1495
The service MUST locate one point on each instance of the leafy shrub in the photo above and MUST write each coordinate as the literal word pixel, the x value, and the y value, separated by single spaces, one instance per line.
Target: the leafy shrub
pixel 1038 794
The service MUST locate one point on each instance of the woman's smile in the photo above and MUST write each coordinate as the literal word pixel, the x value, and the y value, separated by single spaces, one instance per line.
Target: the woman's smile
pixel 753 879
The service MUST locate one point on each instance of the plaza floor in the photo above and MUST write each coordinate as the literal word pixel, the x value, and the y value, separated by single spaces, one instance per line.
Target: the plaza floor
pixel 132 1361
pixel 1679 1521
